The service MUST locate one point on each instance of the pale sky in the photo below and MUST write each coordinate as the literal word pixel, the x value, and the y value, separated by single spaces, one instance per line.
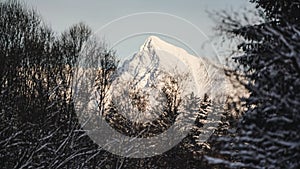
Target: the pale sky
pixel 125 24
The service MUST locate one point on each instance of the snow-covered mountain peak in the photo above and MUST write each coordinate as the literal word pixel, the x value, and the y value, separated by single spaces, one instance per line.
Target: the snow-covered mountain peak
pixel 154 43
pixel 158 59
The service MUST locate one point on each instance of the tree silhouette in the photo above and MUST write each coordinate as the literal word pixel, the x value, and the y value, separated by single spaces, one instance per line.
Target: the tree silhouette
pixel 38 124
pixel 267 133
